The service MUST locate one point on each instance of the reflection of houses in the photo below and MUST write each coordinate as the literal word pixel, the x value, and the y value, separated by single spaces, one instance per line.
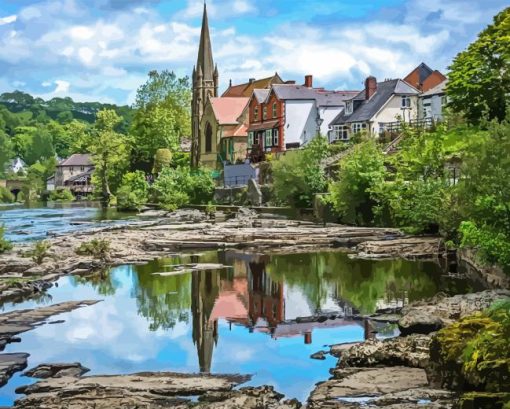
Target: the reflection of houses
pixel 75 174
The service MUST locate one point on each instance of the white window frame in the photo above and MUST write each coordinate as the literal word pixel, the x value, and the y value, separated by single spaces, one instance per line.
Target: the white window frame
pixel 340 133
pixel 250 139
pixel 358 126
pixel 274 109
pixel 348 107
pixel 276 140
pixel 268 137
pixel 256 112
pixel 264 112
pixel 405 101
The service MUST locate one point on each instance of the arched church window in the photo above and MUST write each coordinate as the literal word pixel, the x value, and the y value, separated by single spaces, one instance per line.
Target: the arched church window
pixel 208 137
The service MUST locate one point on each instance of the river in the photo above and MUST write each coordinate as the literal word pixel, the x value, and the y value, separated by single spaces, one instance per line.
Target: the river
pixel 263 314
pixel 38 221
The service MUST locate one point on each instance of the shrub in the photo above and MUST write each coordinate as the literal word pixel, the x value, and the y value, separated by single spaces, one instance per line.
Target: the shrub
pixel 61 195
pixel 6 196
pixel 493 246
pixel 40 251
pixel 177 187
pixel 98 248
pixel 5 245
pixel 133 191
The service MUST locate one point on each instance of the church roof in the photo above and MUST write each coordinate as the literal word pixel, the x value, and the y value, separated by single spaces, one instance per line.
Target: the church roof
pixel 205 63
pixel 227 109
pixel 246 89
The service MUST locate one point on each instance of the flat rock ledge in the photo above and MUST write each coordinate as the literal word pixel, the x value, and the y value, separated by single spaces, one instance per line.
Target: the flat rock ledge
pixel 11 363
pixel 153 390
pixel 408 247
pixel 45 371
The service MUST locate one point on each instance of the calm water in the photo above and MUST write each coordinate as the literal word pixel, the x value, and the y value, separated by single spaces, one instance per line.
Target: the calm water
pixel 35 223
pixel 247 318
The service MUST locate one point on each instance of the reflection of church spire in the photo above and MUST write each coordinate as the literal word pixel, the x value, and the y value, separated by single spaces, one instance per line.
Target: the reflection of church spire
pixel 204 291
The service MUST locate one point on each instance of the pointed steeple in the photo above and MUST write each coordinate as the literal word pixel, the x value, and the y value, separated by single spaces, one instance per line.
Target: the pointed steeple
pixel 205 58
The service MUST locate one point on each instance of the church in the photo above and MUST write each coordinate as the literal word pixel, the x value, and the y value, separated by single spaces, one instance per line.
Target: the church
pixel 219 124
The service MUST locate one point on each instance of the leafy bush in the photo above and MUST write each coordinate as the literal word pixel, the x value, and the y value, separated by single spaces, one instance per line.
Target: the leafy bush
pixel 98 248
pixel 6 196
pixel 40 251
pixel 61 195
pixel 299 175
pixel 493 246
pixel 175 188
pixel 133 191
pixel 5 245
pixel 361 170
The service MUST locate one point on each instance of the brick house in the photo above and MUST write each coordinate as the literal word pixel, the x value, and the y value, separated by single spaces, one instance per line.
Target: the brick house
pixel 424 78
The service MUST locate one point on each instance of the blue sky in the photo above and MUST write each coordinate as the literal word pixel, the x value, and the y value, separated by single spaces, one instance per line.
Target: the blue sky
pixel 103 49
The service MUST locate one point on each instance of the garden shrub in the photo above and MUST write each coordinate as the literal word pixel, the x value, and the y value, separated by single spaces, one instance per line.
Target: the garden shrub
pixel 133 192
pixel 6 196
pixel 61 195
pixel 98 248
pixel 5 245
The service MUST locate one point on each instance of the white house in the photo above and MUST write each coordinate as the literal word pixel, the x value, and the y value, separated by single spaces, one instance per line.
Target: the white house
pixel 433 101
pixel 379 107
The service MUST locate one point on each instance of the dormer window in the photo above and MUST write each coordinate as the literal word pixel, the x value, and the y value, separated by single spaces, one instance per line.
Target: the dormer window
pixel 256 112
pixel 264 112
pixel 348 108
pixel 406 102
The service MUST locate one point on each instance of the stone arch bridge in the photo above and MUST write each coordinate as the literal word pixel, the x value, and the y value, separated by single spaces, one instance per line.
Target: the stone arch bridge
pixel 14 186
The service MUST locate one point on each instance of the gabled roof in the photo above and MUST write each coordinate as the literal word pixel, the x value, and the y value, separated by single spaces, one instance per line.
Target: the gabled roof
pixel 246 89
pixel 261 94
pixel 438 89
pixel 227 110
pixel 334 98
pixel 369 108
pixel 322 97
pixel 77 159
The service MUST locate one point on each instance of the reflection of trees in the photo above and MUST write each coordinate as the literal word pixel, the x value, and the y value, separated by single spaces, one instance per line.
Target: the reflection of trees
pixel 102 281
pixel 360 282
pixel 163 300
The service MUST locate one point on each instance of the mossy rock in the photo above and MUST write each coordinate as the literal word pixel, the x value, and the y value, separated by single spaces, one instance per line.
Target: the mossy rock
pixel 484 400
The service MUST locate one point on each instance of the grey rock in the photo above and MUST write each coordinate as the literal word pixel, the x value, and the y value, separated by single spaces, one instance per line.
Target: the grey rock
pixel 254 193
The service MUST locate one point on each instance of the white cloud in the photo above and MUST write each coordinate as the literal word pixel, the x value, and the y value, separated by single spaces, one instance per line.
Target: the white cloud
pixel 46 83
pixel 219 10
pixel 62 87
pixel 8 19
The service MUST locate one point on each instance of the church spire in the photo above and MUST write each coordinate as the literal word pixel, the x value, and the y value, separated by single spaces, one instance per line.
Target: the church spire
pixel 205 58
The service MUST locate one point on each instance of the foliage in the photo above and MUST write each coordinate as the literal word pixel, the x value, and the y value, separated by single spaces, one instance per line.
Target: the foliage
pixel 108 149
pixel 6 151
pixel 40 251
pixel 98 248
pixel 61 195
pixel 479 77
pixel 5 245
pixel 6 196
pixel 162 117
pixel 361 171
pixel 493 246
pixel 162 159
pixel 177 187
pixel 474 353
pixel 133 191
pixel 299 175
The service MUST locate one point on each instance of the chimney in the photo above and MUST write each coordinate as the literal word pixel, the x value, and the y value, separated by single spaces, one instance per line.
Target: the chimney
pixel 370 87
pixel 308 81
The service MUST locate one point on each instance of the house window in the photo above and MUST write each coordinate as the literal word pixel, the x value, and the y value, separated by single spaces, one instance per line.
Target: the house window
pixel 274 110
pixel 358 126
pixel 256 113
pixel 82 168
pixel 250 139
pixel 348 108
pixel 276 141
pixel 208 138
pixel 406 102
pixel 269 138
pixel 264 112
pixel 444 100
pixel 340 133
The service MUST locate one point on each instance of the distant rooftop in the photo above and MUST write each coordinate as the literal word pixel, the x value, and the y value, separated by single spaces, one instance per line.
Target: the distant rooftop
pixel 77 159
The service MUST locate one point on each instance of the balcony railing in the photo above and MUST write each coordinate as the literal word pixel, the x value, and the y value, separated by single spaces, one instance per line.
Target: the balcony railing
pixel 396 126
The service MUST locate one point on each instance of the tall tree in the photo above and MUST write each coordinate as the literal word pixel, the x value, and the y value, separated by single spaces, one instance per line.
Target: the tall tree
pixel 162 117
pixel 6 152
pixel 108 149
pixel 479 77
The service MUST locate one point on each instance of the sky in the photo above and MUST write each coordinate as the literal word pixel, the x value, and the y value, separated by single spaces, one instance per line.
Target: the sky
pixel 102 50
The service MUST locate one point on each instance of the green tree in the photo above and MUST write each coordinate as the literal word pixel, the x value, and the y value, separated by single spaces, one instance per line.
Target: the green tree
pixel 479 77
pixel 299 175
pixel 108 149
pixel 162 159
pixel 162 117
pixel 361 170
pixel 133 191
pixel 6 151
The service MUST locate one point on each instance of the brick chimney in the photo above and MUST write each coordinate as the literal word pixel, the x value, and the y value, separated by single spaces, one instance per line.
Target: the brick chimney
pixel 308 81
pixel 370 87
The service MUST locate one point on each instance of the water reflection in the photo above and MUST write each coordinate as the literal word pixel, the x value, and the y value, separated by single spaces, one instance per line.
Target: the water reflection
pixel 261 315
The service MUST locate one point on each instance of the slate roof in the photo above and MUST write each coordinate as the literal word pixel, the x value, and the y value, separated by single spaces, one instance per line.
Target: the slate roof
pixel 323 97
pixel 438 89
pixel 261 94
pixel 227 110
pixel 369 108
pixel 77 159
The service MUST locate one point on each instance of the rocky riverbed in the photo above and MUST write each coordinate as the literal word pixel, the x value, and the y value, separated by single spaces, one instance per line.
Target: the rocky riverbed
pixel 390 373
